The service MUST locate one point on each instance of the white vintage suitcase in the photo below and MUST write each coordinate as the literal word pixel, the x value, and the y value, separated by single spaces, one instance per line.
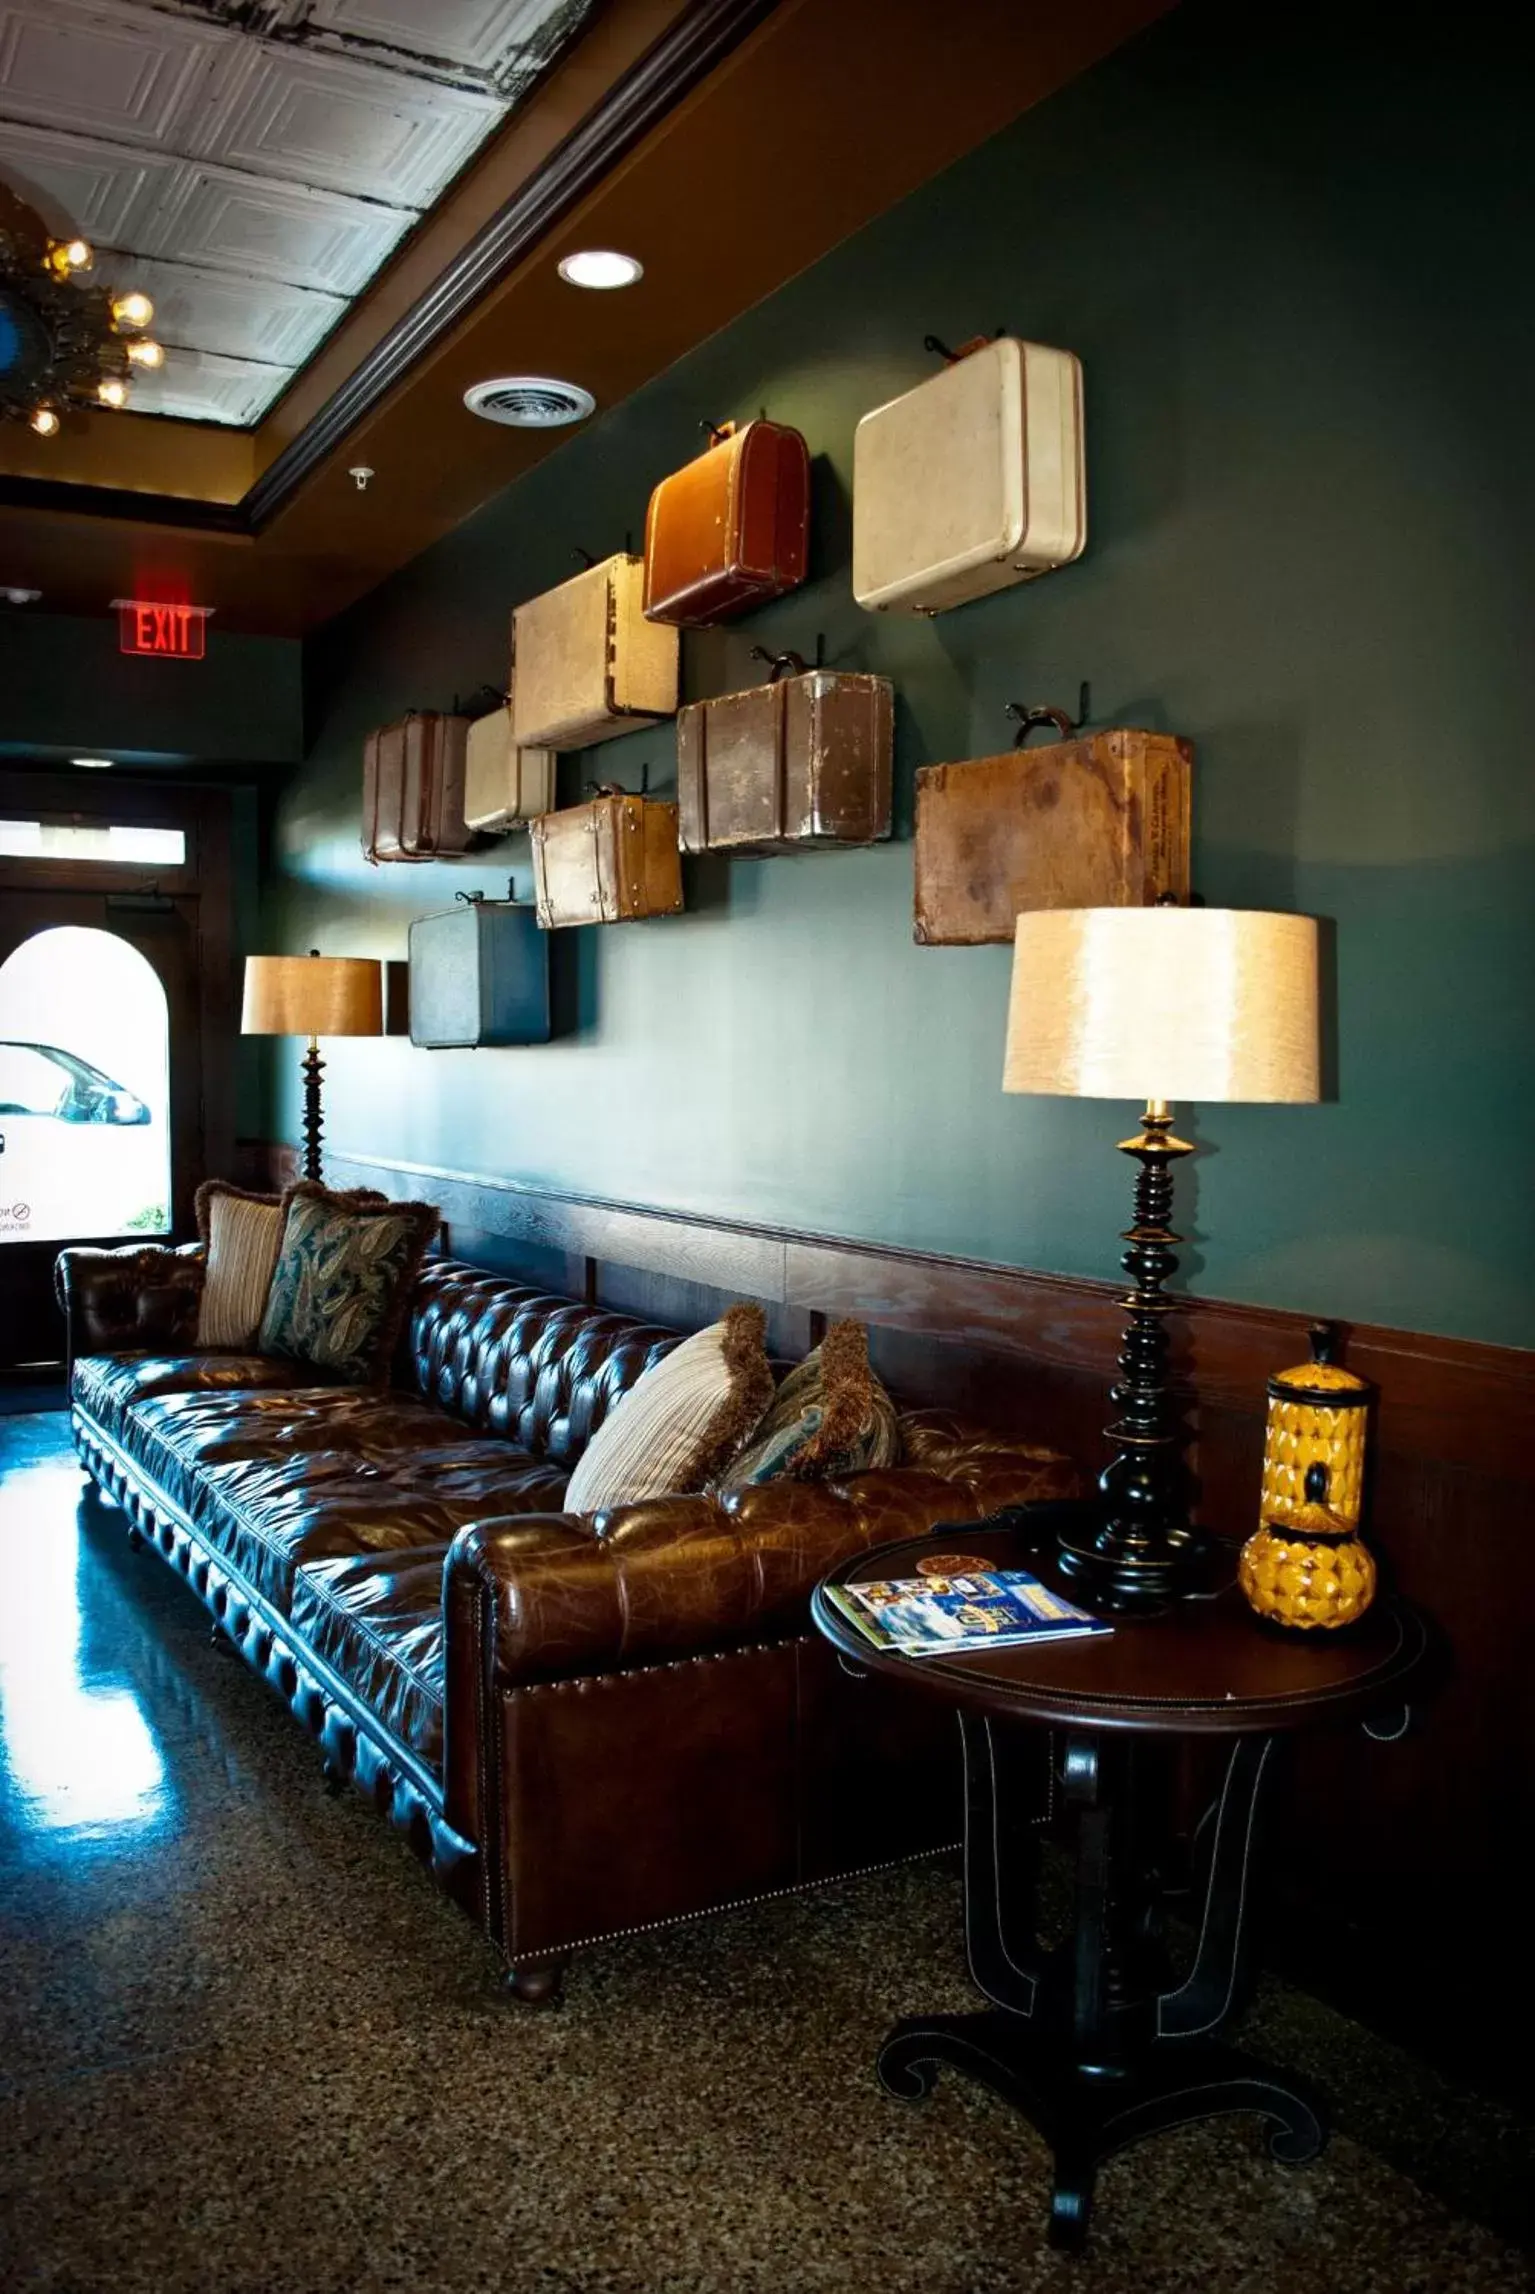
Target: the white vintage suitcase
pixel 589 665
pixel 504 784
pixel 971 482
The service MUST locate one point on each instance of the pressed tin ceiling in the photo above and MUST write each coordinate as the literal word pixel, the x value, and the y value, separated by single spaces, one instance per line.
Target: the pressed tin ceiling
pixel 252 164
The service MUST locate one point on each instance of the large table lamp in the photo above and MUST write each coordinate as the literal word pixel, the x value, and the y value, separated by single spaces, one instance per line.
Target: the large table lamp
pixel 313 995
pixel 1156 1005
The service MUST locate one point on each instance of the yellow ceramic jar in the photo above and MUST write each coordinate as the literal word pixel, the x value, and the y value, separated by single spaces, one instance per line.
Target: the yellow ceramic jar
pixel 1310 1570
pixel 1318 1414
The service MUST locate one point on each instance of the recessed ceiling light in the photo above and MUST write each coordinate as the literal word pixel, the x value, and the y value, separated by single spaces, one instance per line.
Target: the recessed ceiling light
pixel 601 267
pixel 529 401
pixel 20 596
pixel 93 764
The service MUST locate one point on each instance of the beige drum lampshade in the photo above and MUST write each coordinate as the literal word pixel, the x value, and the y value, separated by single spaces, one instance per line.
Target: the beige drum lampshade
pixel 1164 1004
pixel 313 995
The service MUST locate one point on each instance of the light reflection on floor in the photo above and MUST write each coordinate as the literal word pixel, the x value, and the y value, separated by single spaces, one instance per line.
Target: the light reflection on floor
pixel 79 1760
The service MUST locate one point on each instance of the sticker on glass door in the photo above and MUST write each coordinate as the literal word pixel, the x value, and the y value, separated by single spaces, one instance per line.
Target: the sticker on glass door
pixel 84 1090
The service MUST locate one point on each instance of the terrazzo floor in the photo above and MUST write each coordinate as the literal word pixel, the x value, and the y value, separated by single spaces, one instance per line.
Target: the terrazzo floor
pixel 245 2045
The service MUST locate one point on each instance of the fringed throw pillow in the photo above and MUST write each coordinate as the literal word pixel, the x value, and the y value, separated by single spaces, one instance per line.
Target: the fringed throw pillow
pixel 689 1413
pixel 831 1416
pixel 342 1284
pixel 241 1235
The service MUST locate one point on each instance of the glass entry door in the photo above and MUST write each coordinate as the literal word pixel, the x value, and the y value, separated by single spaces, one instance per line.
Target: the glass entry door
pixel 99 1091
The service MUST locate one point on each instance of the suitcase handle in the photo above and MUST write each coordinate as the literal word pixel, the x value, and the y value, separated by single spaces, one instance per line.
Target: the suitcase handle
pixel 1030 721
pixel 780 664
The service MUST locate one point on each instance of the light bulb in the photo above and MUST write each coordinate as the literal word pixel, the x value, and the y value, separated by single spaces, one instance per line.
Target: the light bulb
pixel 112 392
pixel 601 267
pixel 132 310
pixel 146 353
pixel 66 255
pixel 45 422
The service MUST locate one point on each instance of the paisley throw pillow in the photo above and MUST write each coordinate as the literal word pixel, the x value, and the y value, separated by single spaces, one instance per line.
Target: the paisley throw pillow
pixel 342 1283
pixel 831 1416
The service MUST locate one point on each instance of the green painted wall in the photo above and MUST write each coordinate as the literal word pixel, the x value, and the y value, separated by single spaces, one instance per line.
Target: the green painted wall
pixel 66 689
pixel 1295 274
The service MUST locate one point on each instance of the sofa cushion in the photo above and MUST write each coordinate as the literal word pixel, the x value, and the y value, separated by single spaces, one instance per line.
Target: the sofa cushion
pixel 377 1621
pixel 342 1284
pixel 241 1236
pixel 682 1421
pixel 107 1386
pixel 830 1417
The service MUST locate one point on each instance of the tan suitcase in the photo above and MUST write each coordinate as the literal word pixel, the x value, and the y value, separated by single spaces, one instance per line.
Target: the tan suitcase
pixel 504 785
pixel 413 788
pixel 971 482
pixel 783 767
pixel 589 665
pixel 1100 822
pixel 606 862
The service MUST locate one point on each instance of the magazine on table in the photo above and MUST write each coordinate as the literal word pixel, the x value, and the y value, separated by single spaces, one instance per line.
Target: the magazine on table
pixel 935 1615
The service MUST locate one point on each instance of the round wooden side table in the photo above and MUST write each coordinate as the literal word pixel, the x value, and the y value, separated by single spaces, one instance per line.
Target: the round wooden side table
pixel 1097 2041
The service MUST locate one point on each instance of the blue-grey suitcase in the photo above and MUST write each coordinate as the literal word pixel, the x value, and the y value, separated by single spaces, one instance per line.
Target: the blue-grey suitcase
pixel 479 974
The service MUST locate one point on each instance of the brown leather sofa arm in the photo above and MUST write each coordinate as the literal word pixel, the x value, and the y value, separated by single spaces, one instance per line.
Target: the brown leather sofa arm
pixel 557 1596
pixel 143 1296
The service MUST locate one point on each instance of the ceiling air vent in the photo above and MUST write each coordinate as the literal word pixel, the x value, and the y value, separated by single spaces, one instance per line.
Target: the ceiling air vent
pixel 530 401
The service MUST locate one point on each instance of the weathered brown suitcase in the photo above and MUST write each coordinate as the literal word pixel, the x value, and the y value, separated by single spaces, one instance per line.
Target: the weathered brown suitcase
pixel 730 530
pixel 413 788
pixel 1100 822
pixel 606 862
pixel 783 767
pixel 589 665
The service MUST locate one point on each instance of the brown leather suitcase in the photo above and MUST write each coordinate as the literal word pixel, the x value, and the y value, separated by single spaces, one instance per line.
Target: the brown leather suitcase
pixel 589 665
pixel 606 862
pixel 783 767
pixel 1098 822
pixel 413 788
pixel 730 530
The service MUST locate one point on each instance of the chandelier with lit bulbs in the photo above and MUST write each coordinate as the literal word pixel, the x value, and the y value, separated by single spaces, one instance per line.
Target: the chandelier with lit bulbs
pixel 64 343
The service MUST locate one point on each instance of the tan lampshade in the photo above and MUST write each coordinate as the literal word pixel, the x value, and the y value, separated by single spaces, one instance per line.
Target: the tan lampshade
pixel 313 995
pixel 1164 1003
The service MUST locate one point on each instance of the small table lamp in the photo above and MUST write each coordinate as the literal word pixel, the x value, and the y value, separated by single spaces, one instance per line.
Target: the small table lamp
pixel 1156 1004
pixel 313 995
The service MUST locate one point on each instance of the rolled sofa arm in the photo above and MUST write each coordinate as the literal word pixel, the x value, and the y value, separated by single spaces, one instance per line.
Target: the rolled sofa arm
pixel 143 1296
pixel 550 1597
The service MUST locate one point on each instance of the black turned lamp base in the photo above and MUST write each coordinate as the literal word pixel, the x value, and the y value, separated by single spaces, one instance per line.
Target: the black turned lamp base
pixel 1113 1574
pixel 1086 2117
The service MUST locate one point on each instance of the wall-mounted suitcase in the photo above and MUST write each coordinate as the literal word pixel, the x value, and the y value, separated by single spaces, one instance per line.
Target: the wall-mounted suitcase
pixel 783 767
pixel 504 785
pixel 971 482
pixel 413 789
pixel 1100 822
pixel 479 974
pixel 607 862
pixel 589 665
pixel 730 530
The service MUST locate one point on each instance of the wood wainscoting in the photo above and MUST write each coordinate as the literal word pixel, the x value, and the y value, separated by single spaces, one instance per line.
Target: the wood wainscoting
pixel 1400 1865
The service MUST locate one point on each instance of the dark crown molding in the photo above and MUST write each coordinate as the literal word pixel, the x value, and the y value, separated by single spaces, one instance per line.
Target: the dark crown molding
pixel 685 53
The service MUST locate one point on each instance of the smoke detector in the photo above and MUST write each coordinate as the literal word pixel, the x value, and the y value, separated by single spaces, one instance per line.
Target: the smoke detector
pixel 530 401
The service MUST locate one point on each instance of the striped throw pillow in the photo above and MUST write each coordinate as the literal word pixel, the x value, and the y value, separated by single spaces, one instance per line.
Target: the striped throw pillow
pixel 241 1234
pixel 689 1413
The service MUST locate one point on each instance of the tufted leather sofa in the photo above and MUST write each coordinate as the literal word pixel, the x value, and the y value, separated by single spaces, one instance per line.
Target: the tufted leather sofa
pixel 586 1726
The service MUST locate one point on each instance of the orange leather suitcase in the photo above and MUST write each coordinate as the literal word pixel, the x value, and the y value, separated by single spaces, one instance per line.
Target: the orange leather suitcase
pixel 1098 822
pixel 413 788
pixel 730 531
pixel 607 862
pixel 783 767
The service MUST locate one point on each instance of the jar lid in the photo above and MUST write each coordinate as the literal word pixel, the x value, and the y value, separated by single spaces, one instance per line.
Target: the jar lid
pixel 1323 1379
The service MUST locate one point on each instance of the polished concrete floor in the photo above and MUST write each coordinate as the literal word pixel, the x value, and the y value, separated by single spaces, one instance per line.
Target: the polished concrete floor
pixel 244 2045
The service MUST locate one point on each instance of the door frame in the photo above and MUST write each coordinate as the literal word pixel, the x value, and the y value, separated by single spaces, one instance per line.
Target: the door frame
pixel 201 892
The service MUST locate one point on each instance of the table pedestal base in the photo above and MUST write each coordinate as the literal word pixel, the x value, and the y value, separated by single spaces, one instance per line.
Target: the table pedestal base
pixel 1085 2117
pixel 1097 2040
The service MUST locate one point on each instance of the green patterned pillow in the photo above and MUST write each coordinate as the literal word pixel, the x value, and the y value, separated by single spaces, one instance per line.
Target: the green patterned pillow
pixel 343 1279
pixel 831 1416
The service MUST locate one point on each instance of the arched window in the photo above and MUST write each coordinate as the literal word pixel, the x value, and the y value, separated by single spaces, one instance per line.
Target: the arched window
pixel 84 1090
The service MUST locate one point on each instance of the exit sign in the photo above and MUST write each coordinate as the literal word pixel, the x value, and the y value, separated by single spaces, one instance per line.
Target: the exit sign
pixel 172 632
